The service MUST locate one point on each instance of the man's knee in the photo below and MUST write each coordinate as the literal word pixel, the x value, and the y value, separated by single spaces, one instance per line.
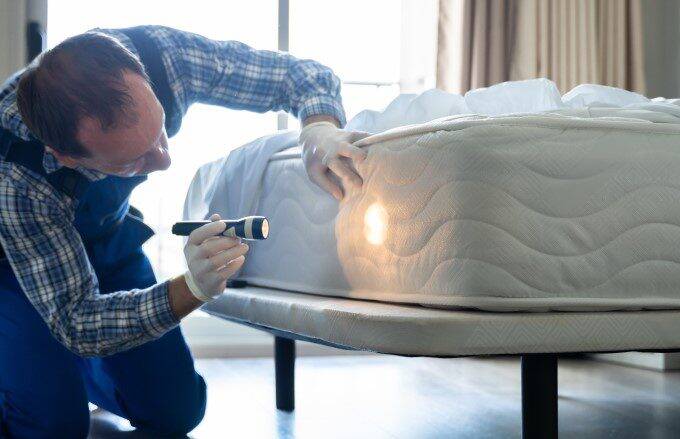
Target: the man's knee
pixel 175 416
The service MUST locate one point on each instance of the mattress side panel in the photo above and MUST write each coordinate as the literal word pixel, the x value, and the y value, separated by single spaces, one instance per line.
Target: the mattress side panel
pixel 537 216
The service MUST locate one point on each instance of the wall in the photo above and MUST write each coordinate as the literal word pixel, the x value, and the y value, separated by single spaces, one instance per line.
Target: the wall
pixel 14 14
pixel 12 36
pixel 661 20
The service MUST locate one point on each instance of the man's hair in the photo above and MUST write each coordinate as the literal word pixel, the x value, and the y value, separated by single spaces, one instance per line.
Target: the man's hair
pixel 81 77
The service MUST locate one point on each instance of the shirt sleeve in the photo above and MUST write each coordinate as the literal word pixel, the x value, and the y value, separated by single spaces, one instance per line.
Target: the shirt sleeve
pixel 9 112
pixel 53 270
pixel 234 75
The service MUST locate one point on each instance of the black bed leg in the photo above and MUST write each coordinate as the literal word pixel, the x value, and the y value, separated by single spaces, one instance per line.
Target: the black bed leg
pixel 539 396
pixel 284 366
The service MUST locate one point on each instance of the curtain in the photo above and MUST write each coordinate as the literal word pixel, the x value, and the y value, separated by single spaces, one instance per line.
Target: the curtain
pixel 569 41
pixel 475 41
pixel 580 41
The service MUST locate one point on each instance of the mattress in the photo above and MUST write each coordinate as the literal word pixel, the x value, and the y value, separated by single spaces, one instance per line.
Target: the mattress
pixel 506 213
pixel 538 202
pixel 415 330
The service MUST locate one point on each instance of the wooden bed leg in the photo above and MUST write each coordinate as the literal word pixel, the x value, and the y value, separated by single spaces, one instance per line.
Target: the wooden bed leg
pixel 539 396
pixel 284 367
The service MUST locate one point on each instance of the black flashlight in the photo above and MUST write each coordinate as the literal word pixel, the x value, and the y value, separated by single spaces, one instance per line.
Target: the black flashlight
pixel 249 227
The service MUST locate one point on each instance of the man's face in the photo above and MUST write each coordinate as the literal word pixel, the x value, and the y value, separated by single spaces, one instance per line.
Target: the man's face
pixel 130 149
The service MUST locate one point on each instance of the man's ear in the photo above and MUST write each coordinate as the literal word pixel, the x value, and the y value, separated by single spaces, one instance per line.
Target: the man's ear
pixel 63 159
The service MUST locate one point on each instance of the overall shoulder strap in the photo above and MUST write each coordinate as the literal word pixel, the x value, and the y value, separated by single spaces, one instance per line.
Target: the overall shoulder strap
pixel 150 56
pixel 29 154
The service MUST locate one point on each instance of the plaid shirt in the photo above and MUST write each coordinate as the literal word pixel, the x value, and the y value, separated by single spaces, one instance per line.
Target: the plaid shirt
pixel 36 221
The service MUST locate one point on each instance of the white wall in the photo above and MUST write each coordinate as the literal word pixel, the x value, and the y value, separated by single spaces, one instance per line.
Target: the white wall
pixel 14 14
pixel 12 36
pixel 661 20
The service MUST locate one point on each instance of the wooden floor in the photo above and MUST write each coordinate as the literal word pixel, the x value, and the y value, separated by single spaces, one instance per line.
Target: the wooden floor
pixel 391 397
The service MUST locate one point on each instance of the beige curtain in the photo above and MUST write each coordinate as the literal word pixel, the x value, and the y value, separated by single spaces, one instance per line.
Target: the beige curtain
pixel 475 41
pixel 569 41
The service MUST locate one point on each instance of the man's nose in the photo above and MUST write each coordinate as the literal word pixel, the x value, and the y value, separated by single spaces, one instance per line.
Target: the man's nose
pixel 159 158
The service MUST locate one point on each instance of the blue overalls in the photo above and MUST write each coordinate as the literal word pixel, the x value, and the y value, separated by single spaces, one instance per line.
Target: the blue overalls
pixel 45 388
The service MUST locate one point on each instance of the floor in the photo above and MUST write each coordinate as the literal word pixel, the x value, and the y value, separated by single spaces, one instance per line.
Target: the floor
pixel 390 397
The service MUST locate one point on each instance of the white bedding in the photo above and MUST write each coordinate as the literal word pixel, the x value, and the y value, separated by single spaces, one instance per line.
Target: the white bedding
pixel 573 207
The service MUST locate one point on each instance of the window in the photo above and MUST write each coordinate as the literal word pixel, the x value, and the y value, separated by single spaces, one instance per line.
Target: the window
pixel 368 44
pixel 360 41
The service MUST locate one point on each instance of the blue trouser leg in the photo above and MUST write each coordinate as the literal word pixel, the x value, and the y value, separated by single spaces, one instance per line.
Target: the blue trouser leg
pixel 42 394
pixel 155 385
pixel 44 388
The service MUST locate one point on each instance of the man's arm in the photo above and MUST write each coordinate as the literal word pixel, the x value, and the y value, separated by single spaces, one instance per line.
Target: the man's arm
pixel 52 267
pixel 9 113
pixel 234 75
pixel 231 74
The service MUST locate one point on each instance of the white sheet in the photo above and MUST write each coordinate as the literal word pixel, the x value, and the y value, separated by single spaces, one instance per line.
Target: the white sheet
pixel 231 185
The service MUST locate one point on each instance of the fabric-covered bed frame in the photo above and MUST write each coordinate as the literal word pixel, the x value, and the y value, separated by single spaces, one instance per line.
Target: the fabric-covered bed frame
pixel 538 338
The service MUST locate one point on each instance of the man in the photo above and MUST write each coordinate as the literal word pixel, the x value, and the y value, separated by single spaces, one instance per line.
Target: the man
pixel 82 317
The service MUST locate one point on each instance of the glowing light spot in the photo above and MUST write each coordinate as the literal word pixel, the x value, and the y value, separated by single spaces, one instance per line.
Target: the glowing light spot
pixel 375 224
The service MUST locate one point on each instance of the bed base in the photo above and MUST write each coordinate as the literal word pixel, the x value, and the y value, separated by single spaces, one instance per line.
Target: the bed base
pixel 538 369
pixel 539 385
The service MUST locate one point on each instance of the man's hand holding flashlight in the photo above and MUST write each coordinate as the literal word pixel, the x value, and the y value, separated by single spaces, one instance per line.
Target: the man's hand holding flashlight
pixel 212 259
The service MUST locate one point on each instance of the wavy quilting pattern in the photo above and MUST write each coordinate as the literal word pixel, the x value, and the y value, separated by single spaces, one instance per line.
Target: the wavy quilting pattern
pixel 302 248
pixel 491 212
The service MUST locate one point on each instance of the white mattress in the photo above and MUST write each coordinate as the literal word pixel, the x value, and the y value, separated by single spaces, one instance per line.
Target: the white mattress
pixel 415 330
pixel 530 212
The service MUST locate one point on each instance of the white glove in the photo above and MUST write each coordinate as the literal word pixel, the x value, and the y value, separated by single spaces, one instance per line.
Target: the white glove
pixel 325 150
pixel 212 259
